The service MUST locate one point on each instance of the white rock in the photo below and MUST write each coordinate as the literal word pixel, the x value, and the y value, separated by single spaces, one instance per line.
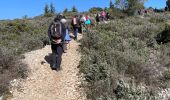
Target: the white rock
pixel 1 97
pixel 14 82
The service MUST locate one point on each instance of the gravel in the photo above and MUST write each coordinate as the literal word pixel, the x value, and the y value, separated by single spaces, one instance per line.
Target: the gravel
pixel 46 84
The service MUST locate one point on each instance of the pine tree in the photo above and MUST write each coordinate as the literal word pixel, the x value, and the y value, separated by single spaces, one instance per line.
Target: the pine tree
pixel 121 4
pixel 111 4
pixel 74 9
pixel 46 9
pixel 168 4
pixel 65 10
pixel 52 8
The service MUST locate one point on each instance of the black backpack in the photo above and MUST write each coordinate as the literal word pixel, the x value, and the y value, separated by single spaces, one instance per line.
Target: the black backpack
pixel 56 29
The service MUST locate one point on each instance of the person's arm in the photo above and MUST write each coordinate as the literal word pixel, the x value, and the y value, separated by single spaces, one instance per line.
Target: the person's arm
pixel 49 32
pixel 78 23
pixel 72 22
pixel 64 32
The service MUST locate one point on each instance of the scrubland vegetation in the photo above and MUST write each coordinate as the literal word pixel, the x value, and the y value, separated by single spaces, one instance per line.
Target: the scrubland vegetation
pixel 122 60
pixel 17 37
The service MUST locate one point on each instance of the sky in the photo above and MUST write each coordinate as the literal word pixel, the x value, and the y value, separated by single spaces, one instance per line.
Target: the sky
pixel 11 9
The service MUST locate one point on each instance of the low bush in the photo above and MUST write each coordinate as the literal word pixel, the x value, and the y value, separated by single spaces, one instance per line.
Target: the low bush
pixel 10 68
pixel 119 51
pixel 17 37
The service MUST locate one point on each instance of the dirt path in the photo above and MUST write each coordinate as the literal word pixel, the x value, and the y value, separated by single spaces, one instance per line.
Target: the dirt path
pixel 45 84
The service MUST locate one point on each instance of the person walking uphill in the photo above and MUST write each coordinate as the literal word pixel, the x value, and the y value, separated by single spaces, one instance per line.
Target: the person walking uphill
pixel 76 25
pixel 103 14
pixel 67 38
pixel 56 33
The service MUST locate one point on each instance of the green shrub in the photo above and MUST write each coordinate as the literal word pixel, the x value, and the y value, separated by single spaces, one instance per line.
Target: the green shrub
pixel 156 20
pixel 18 37
pixel 119 50
pixel 10 68
pixel 167 75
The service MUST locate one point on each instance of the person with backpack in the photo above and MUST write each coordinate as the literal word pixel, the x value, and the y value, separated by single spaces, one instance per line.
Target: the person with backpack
pixel 103 14
pixel 80 24
pixel 76 25
pixel 82 21
pixel 67 38
pixel 107 16
pixel 87 22
pixel 56 33
pixel 97 18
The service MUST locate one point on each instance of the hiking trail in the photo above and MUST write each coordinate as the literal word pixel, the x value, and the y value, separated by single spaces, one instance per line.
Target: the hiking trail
pixel 46 84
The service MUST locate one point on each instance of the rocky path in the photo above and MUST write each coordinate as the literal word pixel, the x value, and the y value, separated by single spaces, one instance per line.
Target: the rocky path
pixel 46 84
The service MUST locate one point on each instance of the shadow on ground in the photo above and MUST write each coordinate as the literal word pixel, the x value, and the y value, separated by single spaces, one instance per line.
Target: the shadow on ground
pixel 48 59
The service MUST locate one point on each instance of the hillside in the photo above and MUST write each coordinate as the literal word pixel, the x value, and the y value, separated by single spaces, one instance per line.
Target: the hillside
pixel 120 59
pixel 17 37
pixel 123 61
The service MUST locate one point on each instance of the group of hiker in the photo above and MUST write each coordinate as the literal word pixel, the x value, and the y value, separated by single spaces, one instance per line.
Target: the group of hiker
pixel 142 12
pixel 59 30
pixel 103 16
pixel 59 36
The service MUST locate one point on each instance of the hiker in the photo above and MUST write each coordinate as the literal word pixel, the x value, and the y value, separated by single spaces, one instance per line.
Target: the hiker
pixel 56 33
pixel 92 22
pixel 97 18
pixel 67 38
pixel 103 14
pixel 139 12
pixel 83 19
pixel 107 16
pixel 82 23
pixel 145 11
pixel 75 24
pixel 87 22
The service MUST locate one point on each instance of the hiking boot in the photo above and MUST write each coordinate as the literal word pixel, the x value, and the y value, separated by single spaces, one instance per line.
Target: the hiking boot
pixel 64 51
pixel 58 69
pixel 75 38
pixel 53 67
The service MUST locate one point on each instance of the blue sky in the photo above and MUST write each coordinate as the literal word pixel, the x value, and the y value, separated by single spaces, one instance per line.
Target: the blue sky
pixel 10 9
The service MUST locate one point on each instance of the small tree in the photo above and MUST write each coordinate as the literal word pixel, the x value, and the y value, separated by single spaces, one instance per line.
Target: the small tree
pixel 25 17
pixel 134 5
pixel 52 8
pixel 166 8
pixel 95 9
pixel 168 4
pixel 74 9
pixel 46 9
pixel 65 10
pixel 130 6
pixel 121 4
pixel 111 5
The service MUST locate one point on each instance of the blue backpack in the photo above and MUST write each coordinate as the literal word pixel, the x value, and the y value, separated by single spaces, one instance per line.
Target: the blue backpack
pixel 88 22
